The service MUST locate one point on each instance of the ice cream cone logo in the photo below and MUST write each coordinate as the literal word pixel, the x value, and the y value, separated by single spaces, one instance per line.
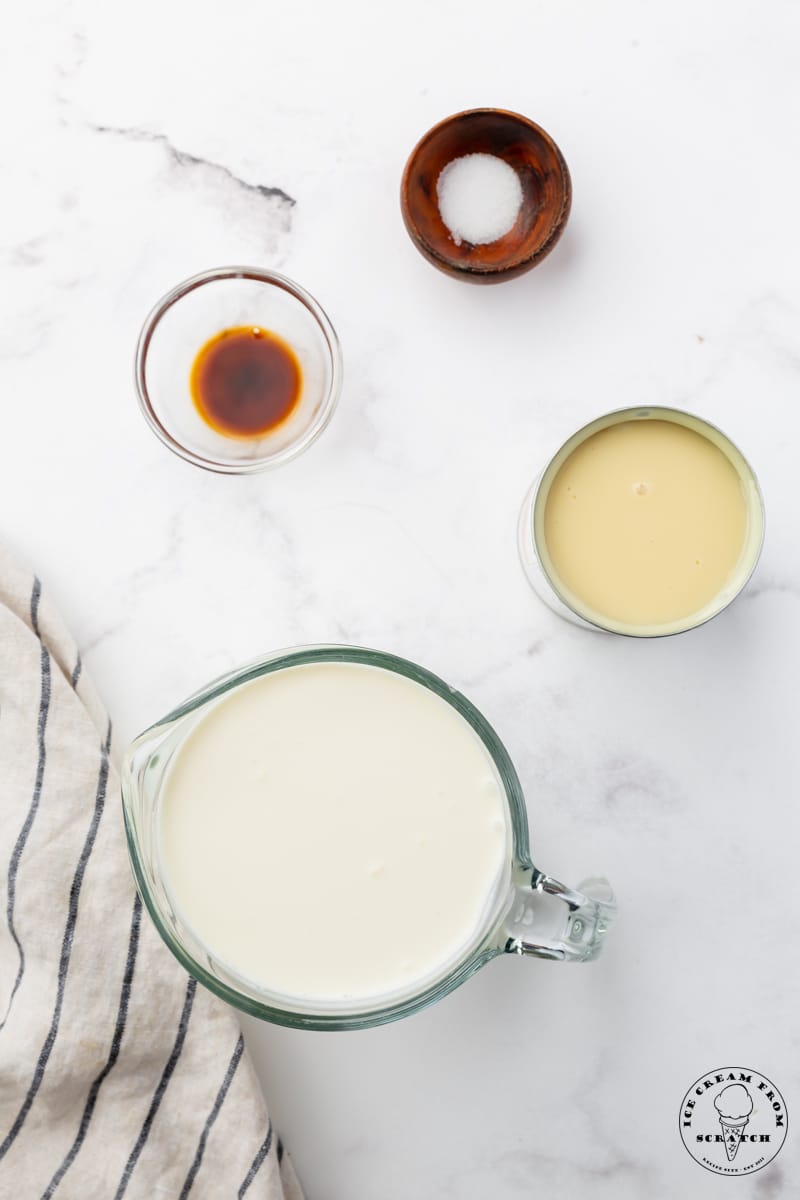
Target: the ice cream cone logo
pixel 733 1121
pixel 734 1105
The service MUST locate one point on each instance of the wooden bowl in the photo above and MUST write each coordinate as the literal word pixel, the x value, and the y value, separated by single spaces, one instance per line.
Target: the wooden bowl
pixel 546 194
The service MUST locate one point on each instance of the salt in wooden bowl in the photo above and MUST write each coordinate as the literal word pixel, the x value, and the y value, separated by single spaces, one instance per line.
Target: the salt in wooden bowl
pixel 546 194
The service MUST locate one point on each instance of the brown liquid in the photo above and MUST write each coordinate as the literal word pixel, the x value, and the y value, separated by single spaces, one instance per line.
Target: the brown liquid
pixel 245 381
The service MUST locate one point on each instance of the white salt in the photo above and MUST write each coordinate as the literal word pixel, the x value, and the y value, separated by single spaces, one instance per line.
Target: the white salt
pixel 479 198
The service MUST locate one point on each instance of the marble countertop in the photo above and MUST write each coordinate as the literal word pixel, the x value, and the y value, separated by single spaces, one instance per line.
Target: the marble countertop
pixel 148 144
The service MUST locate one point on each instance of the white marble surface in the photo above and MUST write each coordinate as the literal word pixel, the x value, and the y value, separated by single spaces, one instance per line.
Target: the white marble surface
pixel 141 144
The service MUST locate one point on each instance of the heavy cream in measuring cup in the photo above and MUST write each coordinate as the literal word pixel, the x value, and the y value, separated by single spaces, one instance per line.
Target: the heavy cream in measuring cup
pixel 335 832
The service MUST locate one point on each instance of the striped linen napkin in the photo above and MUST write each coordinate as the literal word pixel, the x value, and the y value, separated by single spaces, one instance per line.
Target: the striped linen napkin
pixel 119 1076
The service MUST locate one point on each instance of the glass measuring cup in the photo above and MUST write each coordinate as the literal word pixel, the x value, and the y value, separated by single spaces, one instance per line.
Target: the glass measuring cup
pixel 530 913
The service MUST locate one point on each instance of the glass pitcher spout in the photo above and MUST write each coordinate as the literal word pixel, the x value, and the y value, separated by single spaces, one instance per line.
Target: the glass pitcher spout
pixel 548 920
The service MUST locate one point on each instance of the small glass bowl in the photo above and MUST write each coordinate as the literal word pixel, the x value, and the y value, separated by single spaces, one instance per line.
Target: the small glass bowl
pixel 193 312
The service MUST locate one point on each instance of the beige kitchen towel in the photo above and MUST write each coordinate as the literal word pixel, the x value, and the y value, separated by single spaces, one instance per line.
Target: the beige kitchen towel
pixel 119 1075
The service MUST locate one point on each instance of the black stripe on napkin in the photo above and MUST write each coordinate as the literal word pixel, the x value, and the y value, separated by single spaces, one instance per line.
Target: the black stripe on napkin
pixel 66 949
pixel 158 1095
pixel 76 674
pixel 19 846
pixel 262 1153
pixel 116 1041
pixel 212 1116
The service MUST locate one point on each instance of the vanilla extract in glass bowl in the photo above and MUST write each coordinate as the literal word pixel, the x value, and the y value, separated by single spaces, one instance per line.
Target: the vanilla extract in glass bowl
pixel 238 369
pixel 245 381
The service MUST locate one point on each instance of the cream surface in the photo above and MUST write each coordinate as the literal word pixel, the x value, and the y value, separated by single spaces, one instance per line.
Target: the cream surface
pixel 334 831
pixel 645 522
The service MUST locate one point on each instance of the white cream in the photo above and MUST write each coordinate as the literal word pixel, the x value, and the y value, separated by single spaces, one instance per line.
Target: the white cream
pixel 335 832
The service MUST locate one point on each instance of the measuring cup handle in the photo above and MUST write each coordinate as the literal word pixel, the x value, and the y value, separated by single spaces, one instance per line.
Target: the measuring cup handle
pixel 549 920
